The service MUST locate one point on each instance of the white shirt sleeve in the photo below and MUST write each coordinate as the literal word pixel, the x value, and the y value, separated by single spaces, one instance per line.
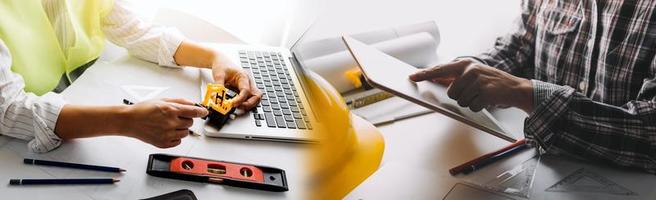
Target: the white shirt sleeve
pixel 25 115
pixel 124 28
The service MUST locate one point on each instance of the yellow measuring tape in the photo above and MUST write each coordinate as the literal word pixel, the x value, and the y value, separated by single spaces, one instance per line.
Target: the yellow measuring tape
pixel 216 98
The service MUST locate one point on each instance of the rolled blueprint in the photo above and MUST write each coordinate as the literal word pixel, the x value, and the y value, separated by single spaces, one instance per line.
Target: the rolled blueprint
pixel 418 49
pixel 331 45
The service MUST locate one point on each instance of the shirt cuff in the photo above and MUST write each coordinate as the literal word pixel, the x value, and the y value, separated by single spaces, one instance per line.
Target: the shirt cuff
pixel 169 43
pixel 46 111
pixel 542 91
pixel 550 105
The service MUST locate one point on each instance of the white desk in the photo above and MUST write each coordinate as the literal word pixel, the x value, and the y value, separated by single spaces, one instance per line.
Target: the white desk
pixel 429 145
pixel 102 85
pixel 431 142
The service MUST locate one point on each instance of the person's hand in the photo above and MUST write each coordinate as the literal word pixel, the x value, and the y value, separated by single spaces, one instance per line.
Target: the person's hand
pixel 162 123
pixel 227 73
pixel 478 86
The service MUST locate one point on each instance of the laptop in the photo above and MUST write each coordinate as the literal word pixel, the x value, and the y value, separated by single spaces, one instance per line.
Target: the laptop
pixel 391 75
pixel 284 114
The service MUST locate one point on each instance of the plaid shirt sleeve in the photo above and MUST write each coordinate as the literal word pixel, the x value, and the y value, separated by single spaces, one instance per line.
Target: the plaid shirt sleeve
pixel 617 122
pixel 565 121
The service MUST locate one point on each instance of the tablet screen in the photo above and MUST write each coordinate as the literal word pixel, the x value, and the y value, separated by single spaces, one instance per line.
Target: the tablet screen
pixel 391 75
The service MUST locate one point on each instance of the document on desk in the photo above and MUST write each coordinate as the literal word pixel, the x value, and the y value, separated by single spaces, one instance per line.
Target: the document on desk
pixel 562 178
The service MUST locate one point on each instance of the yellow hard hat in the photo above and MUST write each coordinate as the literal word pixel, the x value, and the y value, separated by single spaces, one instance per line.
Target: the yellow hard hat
pixel 349 148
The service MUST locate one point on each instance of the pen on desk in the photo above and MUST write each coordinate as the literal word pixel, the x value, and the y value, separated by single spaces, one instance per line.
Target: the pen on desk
pixel 493 159
pixel 76 181
pixel 71 165
pixel 461 168
pixel 127 102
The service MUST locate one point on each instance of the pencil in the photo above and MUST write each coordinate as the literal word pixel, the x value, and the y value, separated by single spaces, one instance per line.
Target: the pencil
pixel 71 165
pixel 460 168
pixel 76 181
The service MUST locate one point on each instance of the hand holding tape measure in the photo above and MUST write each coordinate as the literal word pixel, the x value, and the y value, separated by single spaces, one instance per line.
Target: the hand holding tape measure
pixel 219 101
pixel 148 119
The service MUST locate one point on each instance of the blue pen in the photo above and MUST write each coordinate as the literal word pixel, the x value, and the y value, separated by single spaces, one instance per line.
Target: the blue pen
pixel 74 181
pixel 493 159
pixel 71 165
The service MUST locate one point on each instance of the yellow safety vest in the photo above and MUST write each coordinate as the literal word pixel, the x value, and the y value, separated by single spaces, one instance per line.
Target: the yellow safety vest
pixel 35 50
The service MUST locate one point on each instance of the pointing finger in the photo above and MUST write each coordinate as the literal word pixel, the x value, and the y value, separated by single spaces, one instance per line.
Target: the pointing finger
pixel 449 70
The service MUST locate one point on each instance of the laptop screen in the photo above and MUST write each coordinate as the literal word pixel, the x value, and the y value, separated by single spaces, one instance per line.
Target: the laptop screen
pixel 305 13
pixel 301 21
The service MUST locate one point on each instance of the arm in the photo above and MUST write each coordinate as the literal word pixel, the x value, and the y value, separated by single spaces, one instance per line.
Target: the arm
pixel 490 78
pixel 167 47
pixel 560 119
pixel 566 121
pixel 47 120
pixel 25 115
pixel 162 123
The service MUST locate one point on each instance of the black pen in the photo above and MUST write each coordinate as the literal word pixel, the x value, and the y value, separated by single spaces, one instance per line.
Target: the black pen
pixel 71 165
pixel 74 181
pixel 127 102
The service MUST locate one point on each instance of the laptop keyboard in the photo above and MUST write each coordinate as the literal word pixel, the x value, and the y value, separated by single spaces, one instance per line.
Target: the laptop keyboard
pixel 280 106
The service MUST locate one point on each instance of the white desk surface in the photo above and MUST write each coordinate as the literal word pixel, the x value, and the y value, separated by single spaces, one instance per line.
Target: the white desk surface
pixel 431 142
pixel 429 145
pixel 102 85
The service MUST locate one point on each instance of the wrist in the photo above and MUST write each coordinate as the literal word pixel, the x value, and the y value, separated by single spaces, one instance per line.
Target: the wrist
pixel 121 115
pixel 526 94
pixel 214 59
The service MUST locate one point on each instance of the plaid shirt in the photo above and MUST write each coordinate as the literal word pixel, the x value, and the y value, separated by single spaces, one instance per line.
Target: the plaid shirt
pixel 593 65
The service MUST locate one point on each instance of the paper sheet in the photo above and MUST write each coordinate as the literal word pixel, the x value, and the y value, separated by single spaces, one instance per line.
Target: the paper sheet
pixel 332 45
pixel 142 93
pixel 415 44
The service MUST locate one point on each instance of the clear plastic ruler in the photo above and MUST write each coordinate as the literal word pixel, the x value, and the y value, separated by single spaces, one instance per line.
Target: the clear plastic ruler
pixel 517 181
pixel 143 93
pixel 584 180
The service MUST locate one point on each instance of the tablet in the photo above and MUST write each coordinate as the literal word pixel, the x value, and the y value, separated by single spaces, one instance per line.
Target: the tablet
pixel 392 75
